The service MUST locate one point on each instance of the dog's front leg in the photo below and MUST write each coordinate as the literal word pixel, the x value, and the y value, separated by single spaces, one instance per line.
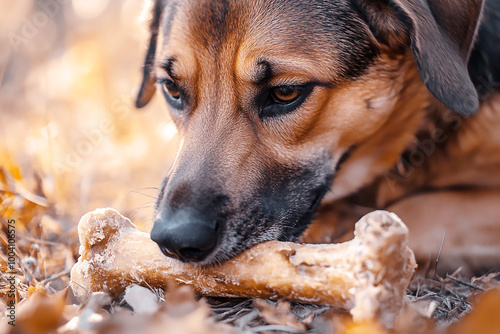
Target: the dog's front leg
pixel 463 227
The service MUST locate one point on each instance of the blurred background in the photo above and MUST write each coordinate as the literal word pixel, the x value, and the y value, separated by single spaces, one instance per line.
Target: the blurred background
pixel 70 137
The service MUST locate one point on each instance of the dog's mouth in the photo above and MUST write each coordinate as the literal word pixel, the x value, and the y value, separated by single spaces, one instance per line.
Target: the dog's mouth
pixel 317 201
pixel 231 244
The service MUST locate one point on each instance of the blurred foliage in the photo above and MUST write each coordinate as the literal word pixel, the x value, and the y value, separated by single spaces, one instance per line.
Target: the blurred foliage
pixel 68 74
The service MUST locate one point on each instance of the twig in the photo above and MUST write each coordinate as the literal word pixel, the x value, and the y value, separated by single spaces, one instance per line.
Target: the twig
pixel 459 281
pixel 279 328
pixel 439 253
pixel 56 276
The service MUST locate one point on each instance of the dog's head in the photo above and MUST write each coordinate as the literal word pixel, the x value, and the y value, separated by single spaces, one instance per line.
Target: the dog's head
pixel 271 97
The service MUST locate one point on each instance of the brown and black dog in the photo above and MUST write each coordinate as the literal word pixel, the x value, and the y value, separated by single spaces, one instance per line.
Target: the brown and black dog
pixel 290 107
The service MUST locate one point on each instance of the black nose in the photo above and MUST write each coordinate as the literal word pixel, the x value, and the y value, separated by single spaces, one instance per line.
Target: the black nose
pixel 185 235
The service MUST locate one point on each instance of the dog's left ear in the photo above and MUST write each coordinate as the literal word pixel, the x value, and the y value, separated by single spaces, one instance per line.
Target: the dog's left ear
pixel 147 89
pixel 441 34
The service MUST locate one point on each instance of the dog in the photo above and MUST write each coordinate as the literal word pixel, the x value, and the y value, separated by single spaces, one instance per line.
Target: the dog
pixel 294 111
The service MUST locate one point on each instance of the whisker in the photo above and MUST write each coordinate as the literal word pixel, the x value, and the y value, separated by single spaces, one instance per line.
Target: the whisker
pixel 139 193
pixel 145 206
pixel 144 217
pixel 148 188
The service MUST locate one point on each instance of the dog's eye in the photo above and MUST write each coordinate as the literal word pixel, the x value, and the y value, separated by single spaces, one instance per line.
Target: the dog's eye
pixel 172 93
pixel 171 89
pixel 281 100
pixel 285 94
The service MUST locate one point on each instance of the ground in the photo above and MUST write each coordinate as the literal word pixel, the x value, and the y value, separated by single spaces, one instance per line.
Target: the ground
pixel 71 141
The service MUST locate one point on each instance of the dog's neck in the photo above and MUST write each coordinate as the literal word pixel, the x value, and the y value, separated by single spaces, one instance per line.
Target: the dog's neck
pixel 389 164
pixel 381 151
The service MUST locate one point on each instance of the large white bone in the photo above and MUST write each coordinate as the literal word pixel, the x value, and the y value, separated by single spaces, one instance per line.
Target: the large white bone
pixel 367 275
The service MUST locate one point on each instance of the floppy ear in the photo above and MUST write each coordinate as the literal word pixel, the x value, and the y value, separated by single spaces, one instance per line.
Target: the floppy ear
pixel 441 35
pixel 147 89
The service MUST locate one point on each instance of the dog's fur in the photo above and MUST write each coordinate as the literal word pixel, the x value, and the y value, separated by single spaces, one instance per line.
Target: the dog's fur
pixel 401 113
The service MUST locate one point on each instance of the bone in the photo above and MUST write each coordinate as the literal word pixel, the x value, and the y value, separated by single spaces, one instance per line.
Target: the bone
pixel 367 275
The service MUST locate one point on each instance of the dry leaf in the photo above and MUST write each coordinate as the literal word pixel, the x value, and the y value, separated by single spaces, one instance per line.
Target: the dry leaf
pixel 279 314
pixel 364 327
pixel 484 318
pixel 40 314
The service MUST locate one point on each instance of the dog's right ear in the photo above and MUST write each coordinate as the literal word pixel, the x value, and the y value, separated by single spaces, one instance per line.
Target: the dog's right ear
pixel 147 89
pixel 440 34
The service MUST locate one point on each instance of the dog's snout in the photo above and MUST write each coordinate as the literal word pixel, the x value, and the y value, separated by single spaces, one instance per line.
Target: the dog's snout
pixel 185 235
